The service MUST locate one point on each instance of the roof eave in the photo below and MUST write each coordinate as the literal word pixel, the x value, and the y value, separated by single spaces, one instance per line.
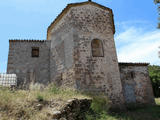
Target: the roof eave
pixel 133 64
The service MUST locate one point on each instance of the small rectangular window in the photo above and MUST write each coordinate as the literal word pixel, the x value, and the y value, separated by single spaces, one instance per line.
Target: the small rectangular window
pixel 130 75
pixel 35 52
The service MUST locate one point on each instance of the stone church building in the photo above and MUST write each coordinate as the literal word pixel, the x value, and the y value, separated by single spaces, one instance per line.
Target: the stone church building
pixel 80 53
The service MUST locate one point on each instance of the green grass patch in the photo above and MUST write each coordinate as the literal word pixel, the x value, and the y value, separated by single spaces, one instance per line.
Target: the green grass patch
pixel 40 98
pixel 134 112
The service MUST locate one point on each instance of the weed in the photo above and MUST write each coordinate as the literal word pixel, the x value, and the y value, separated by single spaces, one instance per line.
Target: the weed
pixel 100 104
pixel 54 89
pixel 40 98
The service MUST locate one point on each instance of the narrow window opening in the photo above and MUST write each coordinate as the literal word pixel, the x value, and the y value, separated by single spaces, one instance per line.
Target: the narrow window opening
pixel 132 74
pixel 35 52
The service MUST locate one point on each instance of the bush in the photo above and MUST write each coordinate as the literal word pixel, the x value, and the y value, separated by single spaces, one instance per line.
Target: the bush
pixel 100 104
pixel 99 108
pixel 154 73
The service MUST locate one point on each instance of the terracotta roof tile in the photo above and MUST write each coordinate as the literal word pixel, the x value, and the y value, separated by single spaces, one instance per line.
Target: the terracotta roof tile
pixel 27 40
pixel 133 64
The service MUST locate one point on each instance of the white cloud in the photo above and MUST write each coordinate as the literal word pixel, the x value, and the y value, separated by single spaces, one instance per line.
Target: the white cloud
pixel 137 44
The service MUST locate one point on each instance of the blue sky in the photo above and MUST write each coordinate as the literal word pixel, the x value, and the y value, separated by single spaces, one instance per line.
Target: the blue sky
pixel 137 38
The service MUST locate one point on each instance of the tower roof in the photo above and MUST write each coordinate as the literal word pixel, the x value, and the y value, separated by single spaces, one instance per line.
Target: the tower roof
pixel 65 10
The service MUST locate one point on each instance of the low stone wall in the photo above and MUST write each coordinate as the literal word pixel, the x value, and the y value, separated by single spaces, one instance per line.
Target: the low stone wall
pixel 74 109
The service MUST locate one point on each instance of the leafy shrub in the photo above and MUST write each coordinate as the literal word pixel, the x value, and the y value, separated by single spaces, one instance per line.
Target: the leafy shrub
pixel 154 73
pixel 100 104
pixel 99 108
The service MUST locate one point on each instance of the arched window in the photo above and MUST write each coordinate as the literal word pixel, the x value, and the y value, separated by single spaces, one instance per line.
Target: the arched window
pixel 97 48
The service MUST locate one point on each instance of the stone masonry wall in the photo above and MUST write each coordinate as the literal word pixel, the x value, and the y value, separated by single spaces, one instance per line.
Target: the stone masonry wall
pixel 136 83
pixel 27 68
pixel 96 74
pixel 61 60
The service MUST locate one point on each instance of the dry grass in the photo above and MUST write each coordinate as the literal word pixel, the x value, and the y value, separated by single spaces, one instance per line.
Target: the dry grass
pixel 27 104
pixel 157 101
pixel 39 102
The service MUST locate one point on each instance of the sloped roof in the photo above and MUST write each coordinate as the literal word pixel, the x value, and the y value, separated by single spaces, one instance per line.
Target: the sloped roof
pixel 133 64
pixel 65 10
pixel 27 40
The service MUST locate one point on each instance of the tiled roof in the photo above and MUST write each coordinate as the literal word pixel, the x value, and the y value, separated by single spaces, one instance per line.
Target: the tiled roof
pixel 16 40
pixel 65 10
pixel 133 64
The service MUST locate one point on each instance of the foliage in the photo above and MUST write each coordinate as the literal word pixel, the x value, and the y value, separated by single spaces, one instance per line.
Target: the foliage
pixel 150 112
pixel 99 108
pixel 40 98
pixel 156 1
pixel 100 104
pixel 154 73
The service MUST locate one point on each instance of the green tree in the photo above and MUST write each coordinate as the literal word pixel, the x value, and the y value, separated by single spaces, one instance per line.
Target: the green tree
pixel 154 73
pixel 157 2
